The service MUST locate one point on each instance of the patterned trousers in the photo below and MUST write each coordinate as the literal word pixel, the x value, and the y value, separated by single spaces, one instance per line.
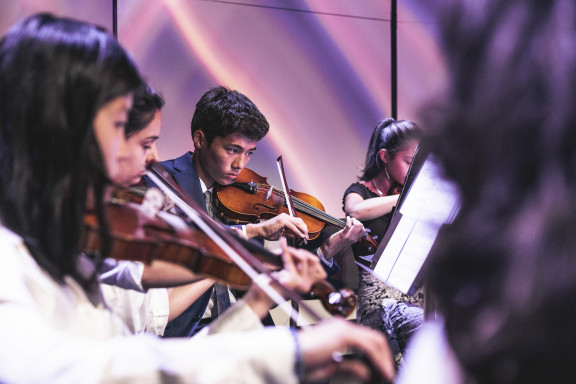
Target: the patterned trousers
pixel 392 312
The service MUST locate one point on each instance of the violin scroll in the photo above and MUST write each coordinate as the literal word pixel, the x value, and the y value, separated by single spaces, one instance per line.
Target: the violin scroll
pixel 342 302
pixel 368 244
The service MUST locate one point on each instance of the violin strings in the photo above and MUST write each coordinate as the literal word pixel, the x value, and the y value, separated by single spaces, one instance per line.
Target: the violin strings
pixel 310 209
pixel 313 211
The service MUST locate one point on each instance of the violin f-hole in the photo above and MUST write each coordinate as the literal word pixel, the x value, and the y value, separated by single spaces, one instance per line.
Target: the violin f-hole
pixel 267 208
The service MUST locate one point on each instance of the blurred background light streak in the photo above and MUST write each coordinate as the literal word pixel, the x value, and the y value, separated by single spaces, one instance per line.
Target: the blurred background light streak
pixel 319 71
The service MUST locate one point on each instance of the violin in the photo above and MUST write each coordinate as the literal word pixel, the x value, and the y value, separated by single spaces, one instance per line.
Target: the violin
pixel 137 236
pixel 241 255
pixel 250 199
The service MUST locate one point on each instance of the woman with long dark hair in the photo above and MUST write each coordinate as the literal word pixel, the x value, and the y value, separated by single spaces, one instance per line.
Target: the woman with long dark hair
pixel 66 89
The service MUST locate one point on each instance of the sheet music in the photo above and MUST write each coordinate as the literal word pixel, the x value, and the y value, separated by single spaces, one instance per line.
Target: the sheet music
pixel 431 202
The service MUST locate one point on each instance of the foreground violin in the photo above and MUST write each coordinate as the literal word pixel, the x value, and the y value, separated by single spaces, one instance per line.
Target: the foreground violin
pixel 250 199
pixel 243 258
pixel 137 236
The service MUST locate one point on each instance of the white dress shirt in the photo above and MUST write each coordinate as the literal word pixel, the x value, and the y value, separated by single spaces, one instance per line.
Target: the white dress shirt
pixel 52 333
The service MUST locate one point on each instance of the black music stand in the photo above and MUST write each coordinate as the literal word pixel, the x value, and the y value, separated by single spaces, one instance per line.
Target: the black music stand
pixel 426 204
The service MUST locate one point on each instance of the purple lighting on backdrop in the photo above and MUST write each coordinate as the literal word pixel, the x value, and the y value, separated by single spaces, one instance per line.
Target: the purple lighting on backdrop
pixel 320 75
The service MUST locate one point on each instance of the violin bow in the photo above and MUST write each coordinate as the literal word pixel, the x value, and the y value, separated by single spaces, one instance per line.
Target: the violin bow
pixel 227 242
pixel 291 211
pixel 353 354
pixel 287 197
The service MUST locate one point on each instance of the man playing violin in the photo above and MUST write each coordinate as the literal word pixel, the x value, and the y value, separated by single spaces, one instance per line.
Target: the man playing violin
pixel 136 291
pixel 226 128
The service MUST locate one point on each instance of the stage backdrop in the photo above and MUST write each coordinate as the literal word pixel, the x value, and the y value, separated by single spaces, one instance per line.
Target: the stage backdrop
pixel 319 71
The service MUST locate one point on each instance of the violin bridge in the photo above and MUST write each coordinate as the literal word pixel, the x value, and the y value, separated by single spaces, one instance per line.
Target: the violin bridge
pixel 269 193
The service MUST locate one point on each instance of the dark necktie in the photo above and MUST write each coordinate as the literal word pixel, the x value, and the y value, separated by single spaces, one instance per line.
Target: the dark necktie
pixel 210 209
pixel 222 295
